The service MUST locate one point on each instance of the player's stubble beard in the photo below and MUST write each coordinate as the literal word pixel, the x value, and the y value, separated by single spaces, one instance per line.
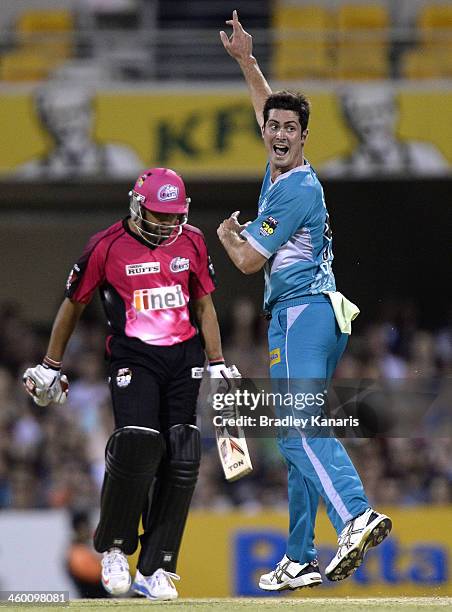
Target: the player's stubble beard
pixel 158 240
pixel 292 159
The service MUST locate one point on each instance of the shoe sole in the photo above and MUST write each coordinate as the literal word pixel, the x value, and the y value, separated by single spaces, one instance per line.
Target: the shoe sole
pixel 371 538
pixel 121 591
pixel 308 580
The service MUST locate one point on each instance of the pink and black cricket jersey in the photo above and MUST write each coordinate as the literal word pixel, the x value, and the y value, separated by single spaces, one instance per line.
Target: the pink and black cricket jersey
pixel 145 290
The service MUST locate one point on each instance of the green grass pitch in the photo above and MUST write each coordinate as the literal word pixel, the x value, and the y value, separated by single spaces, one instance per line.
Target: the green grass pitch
pixel 410 604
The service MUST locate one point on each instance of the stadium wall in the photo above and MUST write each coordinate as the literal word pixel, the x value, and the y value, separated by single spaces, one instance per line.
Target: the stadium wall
pixel 224 553
pixel 208 131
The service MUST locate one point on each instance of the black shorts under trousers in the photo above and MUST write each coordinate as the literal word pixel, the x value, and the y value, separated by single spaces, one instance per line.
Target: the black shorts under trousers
pixel 152 386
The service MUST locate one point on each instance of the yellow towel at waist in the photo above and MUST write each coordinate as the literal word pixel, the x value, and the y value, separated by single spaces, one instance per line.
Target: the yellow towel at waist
pixel 344 311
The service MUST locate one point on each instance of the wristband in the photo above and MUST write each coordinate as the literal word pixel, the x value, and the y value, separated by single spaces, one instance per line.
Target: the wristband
pixel 51 364
pixel 215 362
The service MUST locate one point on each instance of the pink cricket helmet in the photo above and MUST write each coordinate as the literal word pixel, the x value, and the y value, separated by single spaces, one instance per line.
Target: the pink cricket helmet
pixel 159 190
pixel 163 191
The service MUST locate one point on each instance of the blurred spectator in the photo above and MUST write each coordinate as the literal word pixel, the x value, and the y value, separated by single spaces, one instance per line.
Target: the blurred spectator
pixel 244 345
pixel 53 457
pixel 82 562
pixel 19 342
pixel 89 403
pixel 440 491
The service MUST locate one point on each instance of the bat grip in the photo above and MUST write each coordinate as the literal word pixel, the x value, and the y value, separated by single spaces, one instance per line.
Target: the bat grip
pixel 228 382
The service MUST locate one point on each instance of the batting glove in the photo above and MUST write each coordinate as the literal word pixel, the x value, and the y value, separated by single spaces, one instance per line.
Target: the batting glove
pixel 46 385
pixel 220 377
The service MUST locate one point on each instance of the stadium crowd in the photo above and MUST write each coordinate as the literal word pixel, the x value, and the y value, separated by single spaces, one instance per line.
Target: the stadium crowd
pixel 53 457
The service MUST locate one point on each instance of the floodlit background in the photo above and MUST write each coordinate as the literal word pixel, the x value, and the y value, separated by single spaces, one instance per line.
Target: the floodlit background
pixel 94 91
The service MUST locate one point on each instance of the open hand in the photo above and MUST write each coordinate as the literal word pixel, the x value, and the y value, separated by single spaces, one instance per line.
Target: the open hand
pixel 240 44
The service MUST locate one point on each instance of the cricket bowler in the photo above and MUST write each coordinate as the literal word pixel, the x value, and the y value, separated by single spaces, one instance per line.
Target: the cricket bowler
pixel 310 321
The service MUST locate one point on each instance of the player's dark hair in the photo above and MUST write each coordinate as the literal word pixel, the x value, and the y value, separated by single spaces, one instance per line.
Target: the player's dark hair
pixel 289 100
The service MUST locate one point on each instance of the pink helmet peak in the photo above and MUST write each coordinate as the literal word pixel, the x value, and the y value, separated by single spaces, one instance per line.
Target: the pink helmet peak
pixel 163 191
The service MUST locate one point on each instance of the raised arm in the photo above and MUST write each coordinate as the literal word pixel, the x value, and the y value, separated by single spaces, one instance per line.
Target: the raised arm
pixel 240 46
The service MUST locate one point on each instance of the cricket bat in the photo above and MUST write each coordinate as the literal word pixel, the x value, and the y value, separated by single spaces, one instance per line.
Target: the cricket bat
pixel 231 442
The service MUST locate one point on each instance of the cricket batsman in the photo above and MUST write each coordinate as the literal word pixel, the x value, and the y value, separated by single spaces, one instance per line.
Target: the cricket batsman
pixel 150 268
pixel 310 321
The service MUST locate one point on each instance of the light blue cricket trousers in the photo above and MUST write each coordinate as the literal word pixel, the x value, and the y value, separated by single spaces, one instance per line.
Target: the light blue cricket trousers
pixel 306 344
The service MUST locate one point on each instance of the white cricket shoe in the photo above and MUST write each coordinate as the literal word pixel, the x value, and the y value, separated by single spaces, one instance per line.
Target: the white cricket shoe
pixel 115 572
pixel 291 575
pixel 159 585
pixel 361 533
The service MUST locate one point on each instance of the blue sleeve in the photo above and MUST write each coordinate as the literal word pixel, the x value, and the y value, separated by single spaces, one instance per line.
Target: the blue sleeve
pixel 285 213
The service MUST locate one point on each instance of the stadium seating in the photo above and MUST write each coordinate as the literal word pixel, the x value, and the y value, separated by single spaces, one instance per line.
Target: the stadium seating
pixel 432 58
pixel 21 65
pixel 44 40
pixel 33 21
pixel 427 64
pixel 301 48
pixel 313 42
pixel 46 31
pixel 362 50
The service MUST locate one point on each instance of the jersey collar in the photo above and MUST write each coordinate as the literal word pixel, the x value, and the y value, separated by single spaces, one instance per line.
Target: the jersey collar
pixel 125 224
pixel 303 168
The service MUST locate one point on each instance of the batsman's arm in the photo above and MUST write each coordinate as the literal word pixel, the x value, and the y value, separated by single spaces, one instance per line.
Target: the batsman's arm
pixel 240 46
pixel 63 327
pixel 207 320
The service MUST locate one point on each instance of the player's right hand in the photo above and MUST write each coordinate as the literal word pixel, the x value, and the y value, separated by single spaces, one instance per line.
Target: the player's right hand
pixel 45 385
pixel 240 44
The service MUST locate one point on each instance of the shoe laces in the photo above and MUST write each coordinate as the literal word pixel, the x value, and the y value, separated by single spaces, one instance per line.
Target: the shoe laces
pixel 345 538
pixel 163 577
pixel 281 569
pixel 115 561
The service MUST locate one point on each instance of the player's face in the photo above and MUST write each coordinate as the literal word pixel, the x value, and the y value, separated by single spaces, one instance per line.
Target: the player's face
pixel 161 220
pixel 284 139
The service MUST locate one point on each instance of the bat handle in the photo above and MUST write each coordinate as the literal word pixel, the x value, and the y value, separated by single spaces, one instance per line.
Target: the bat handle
pixel 228 382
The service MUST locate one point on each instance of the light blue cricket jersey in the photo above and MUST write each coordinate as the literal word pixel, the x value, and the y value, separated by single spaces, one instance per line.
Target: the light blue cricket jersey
pixel 293 232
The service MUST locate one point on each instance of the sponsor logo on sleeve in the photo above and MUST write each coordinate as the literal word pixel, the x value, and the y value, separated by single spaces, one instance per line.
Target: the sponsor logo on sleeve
pixel 268 226
pixel 158 298
pixel 275 356
pixel 151 267
pixel 211 270
pixel 179 264
pixel 168 192
pixel 123 377
pixel 73 275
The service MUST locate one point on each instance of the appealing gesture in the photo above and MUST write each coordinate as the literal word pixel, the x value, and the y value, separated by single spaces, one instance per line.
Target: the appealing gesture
pixel 240 44
pixel 231 225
